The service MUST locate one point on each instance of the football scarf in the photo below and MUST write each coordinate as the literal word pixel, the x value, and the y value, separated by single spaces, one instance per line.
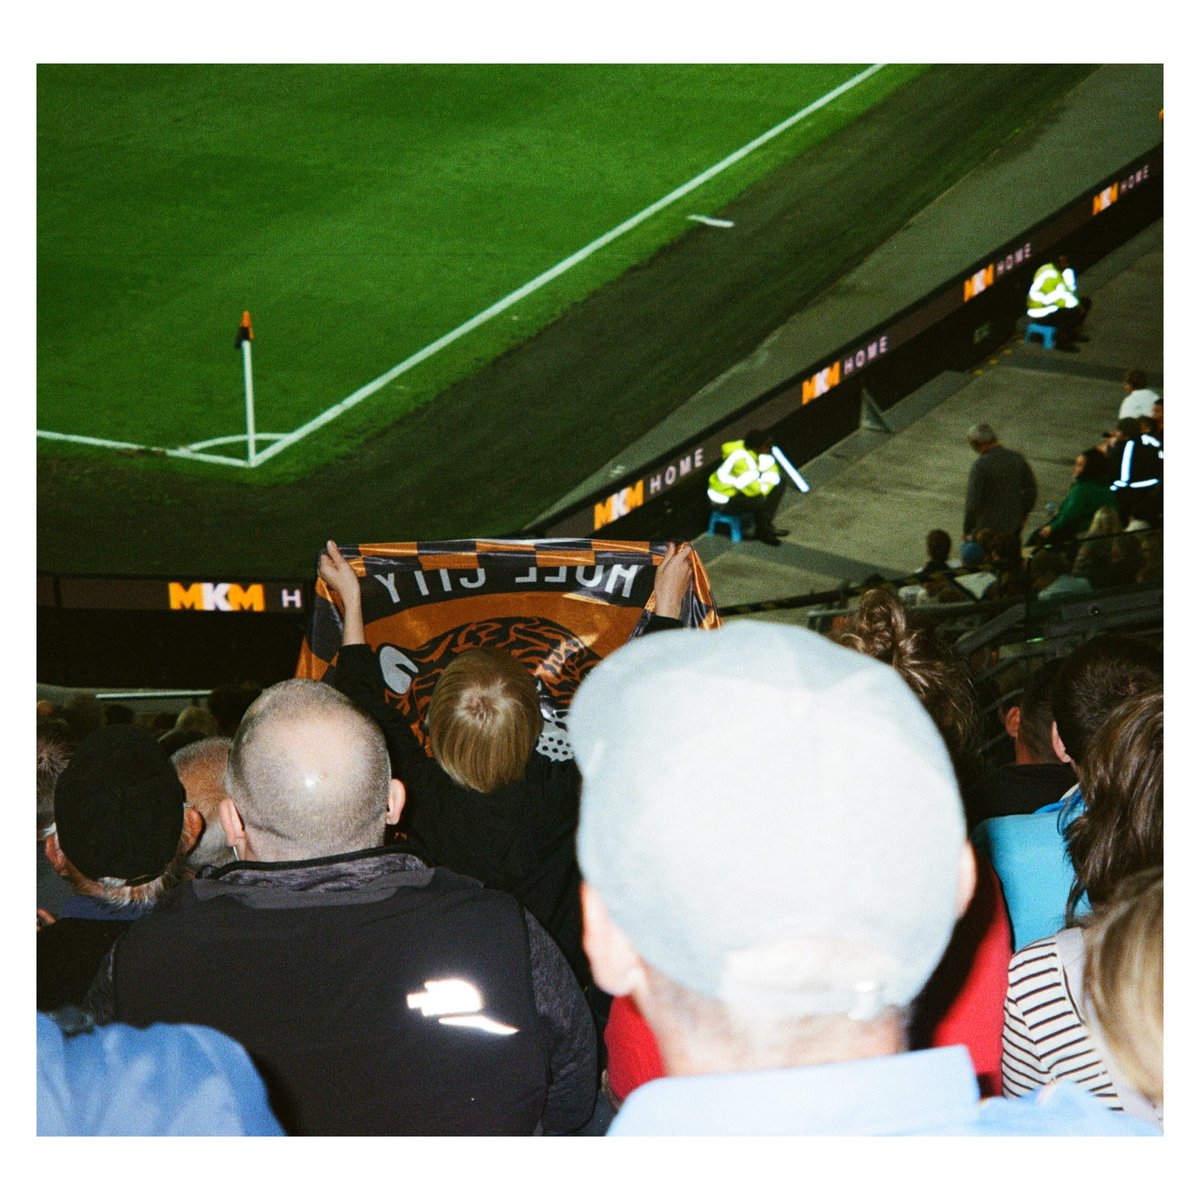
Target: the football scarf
pixel 558 606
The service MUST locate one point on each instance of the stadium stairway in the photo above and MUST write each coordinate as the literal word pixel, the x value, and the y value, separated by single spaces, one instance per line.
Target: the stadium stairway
pixel 875 495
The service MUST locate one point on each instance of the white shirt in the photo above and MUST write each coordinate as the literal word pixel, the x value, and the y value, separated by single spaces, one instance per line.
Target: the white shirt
pixel 1138 404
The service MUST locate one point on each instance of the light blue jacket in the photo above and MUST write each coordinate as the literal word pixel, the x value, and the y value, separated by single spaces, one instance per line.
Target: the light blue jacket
pixel 179 1080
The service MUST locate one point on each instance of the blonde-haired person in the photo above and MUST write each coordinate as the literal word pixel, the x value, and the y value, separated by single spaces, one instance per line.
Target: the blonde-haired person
pixel 1123 983
pixel 484 719
pixel 1105 557
pixel 485 804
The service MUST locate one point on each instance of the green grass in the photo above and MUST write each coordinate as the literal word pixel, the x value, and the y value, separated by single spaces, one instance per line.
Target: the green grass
pixel 517 430
pixel 360 213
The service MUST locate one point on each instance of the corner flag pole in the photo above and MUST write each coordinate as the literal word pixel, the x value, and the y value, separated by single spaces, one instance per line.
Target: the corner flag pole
pixel 245 336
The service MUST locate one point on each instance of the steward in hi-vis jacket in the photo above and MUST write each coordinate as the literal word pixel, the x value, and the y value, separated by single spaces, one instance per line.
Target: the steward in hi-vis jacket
pixel 1054 299
pixel 748 481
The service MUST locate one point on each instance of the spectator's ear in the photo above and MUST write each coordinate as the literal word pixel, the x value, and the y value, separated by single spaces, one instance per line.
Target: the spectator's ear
pixel 193 827
pixel 616 965
pixel 968 876
pixel 1012 722
pixel 395 804
pixel 1059 748
pixel 233 825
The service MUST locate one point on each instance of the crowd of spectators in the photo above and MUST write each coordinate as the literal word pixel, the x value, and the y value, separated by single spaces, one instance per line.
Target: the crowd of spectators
pixel 715 918
pixel 1106 532
pixel 782 886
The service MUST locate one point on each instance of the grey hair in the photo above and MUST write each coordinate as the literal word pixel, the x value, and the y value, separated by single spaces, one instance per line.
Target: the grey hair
pixel 745 1038
pixel 195 717
pixel 201 768
pixel 982 433
pixel 202 753
pixel 53 754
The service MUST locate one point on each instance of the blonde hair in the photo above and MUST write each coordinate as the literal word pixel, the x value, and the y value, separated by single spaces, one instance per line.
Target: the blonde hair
pixel 1123 980
pixel 484 719
pixel 1106 522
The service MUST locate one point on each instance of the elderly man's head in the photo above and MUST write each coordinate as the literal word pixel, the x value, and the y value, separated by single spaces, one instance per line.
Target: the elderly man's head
pixel 981 436
pixel 201 769
pixel 308 777
pixel 121 831
pixel 772 841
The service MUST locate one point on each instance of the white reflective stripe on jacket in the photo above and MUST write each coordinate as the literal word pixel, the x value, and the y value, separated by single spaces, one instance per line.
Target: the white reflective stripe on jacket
pixel 1123 480
pixel 768 473
pixel 739 470
pixel 742 471
pixel 1050 291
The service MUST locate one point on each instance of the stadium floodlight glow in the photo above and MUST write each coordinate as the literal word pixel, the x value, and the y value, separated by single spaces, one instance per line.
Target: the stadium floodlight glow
pixel 796 477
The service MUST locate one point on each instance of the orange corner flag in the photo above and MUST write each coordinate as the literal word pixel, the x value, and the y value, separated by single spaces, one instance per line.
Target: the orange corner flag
pixel 245 331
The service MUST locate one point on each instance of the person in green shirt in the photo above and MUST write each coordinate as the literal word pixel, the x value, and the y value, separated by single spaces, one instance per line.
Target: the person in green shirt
pixel 1091 490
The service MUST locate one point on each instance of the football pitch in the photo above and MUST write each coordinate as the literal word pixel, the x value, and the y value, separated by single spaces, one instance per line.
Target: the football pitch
pixel 470 286
pixel 390 229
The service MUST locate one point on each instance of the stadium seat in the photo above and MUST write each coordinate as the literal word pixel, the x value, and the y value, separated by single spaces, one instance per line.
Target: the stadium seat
pixel 739 525
pixel 1046 332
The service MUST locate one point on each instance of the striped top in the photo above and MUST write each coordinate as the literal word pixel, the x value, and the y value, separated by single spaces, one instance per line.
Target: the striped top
pixel 1044 1039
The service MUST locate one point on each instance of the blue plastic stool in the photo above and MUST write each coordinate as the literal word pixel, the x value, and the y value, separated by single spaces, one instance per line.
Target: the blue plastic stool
pixel 739 524
pixel 1047 333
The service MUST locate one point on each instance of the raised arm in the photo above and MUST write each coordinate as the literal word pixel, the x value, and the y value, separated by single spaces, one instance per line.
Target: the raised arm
pixel 339 576
pixel 672 580
pixel 357 674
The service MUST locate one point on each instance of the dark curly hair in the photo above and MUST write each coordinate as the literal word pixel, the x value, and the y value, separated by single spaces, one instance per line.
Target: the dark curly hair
pixel 1120 829
pixel 884 630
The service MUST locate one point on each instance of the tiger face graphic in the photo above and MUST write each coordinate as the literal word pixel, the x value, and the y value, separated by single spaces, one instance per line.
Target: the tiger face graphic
pixel 557 658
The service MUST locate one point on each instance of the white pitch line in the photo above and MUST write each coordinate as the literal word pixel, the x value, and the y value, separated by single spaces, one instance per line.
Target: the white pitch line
pixel 369 389
pixel 225 441
pixel 109 444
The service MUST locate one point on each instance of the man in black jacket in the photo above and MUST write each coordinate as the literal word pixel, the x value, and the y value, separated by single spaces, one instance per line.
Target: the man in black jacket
pixel 120 839
pixel 376 995
pixel 1001 487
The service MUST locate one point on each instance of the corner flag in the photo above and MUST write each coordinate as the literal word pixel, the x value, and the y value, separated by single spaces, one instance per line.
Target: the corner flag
pixel 245 331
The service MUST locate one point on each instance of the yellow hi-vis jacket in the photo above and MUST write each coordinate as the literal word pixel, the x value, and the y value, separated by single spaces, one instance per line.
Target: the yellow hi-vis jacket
pixel 1051 290
pixel 742 473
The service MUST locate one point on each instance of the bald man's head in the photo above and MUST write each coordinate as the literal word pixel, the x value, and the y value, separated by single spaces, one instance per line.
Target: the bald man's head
pixel 201 769
pixel 309 774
